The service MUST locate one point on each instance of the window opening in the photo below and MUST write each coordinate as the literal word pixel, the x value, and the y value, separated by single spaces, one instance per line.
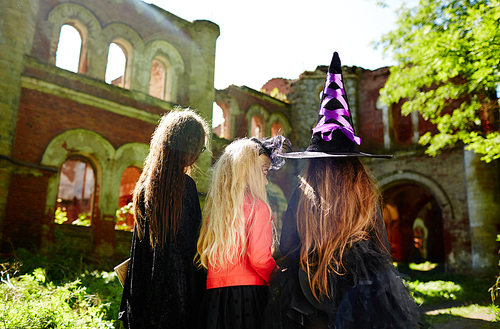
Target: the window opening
pixel 257 126
pixel 157 81
pixel 124 216
pixel 115 69
pixel 75 197
pixel 277 129
pixel 219 122
pixel 69 49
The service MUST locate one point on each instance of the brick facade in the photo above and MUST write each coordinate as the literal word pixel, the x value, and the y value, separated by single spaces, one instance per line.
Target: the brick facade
pixel 56 115
pixel 50 115
pixel 432 194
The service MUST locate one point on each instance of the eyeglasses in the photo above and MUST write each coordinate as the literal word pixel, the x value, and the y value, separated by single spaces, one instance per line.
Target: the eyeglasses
pixel 203 149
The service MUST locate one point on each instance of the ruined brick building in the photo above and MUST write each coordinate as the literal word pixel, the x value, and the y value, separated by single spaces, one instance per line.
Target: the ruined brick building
pixel 443 210
pixel 72 144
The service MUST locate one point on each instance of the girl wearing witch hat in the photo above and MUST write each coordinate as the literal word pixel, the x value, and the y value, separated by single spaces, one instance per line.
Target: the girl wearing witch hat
pixel 236 234
pixel 336 271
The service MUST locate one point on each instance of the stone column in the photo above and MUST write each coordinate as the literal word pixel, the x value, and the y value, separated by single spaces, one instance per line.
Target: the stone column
pixel 17 26
pixel 483 201
pixel 205 34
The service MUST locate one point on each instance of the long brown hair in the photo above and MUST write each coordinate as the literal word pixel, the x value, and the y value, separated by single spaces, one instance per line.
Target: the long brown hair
pixel 337 208
pixel 175 146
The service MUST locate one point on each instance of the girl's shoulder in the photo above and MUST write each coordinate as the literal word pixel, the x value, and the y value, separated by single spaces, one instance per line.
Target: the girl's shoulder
pixel 190 180
pixel 249 201
pixel 256 206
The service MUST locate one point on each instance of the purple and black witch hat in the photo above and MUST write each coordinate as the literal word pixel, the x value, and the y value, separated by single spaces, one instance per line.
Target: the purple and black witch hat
pixel 334 134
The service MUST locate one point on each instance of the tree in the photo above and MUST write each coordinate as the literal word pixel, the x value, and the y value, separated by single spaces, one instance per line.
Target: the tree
pixel 448 55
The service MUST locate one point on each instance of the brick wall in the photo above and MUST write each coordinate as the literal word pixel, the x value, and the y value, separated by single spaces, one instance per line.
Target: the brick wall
pixel 42 117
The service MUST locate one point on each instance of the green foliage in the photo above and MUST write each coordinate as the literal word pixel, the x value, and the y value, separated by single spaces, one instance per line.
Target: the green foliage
pixel 495 293
pixel 31 301
pixel 61 216
pixel 121 216
pixel 106 287
pixel 275 93
pixel 427 266
pixel 448 53
pixel 62 260
pixel 434 291
pixel 433 286
pixel 82 220
pixel 495 309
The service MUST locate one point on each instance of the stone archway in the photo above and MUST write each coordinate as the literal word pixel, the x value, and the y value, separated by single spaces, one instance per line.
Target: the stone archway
pixel 416 210
pixel 411 210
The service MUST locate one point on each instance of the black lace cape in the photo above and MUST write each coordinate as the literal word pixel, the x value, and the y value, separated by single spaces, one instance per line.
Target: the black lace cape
pixel 369 294
pixel 164 288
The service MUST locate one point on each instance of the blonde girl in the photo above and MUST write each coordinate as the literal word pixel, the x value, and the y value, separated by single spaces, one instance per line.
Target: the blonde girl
pixel 236 234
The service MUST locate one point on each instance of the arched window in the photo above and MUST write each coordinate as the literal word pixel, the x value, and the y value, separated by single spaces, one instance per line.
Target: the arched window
pixel 115 69
pixel 125 219
pixel 75 197
pixel 221 122
pixel 69 49
pixel 160 84
pixel 257 126
pixel 277 129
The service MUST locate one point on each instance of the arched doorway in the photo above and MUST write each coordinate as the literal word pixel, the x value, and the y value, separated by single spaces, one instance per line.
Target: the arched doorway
pixel 414 222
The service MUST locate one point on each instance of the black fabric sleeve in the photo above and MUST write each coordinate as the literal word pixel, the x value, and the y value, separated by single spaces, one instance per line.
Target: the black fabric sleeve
pixel 381 231
pixel 290 240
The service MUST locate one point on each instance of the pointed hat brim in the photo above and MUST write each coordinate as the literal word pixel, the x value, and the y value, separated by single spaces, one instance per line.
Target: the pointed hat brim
pixel 333 135
pixel 314 154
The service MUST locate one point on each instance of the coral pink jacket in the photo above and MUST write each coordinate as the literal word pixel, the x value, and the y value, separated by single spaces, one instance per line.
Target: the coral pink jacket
pixel 257 264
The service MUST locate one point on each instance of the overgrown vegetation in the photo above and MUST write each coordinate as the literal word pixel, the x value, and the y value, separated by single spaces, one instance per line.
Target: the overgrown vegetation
pixel 121 217
pixel 456 295
pixel 447 54
pixel 495 292
pixel 61 217
pixel 30 301
pixel 64 288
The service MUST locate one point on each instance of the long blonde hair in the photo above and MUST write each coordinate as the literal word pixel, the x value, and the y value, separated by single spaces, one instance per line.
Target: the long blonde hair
pixel 236 174
pixel 337 208
pixel 175 146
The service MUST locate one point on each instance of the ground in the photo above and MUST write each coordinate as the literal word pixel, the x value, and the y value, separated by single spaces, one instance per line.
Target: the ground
pixel 460 316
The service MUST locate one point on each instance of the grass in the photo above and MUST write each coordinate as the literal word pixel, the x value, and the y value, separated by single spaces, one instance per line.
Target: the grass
pixel 63 289
pixel 30 301
pixel 468 316
pixel 455 296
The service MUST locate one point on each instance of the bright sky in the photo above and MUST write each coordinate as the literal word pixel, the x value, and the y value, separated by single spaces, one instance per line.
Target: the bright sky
pixel 264 39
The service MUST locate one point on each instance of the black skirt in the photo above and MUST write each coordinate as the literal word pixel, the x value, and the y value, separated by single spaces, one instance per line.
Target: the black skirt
pixel 238 307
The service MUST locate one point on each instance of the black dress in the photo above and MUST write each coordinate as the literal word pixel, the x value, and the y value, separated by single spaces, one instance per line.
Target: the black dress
pixel 164 288
pixel 369 294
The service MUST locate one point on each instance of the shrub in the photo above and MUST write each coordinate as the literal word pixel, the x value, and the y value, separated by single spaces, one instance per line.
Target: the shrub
pixel 32 302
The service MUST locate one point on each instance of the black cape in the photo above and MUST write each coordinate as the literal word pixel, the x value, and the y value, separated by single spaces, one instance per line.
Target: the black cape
pixel 164 288
pixel 369 294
